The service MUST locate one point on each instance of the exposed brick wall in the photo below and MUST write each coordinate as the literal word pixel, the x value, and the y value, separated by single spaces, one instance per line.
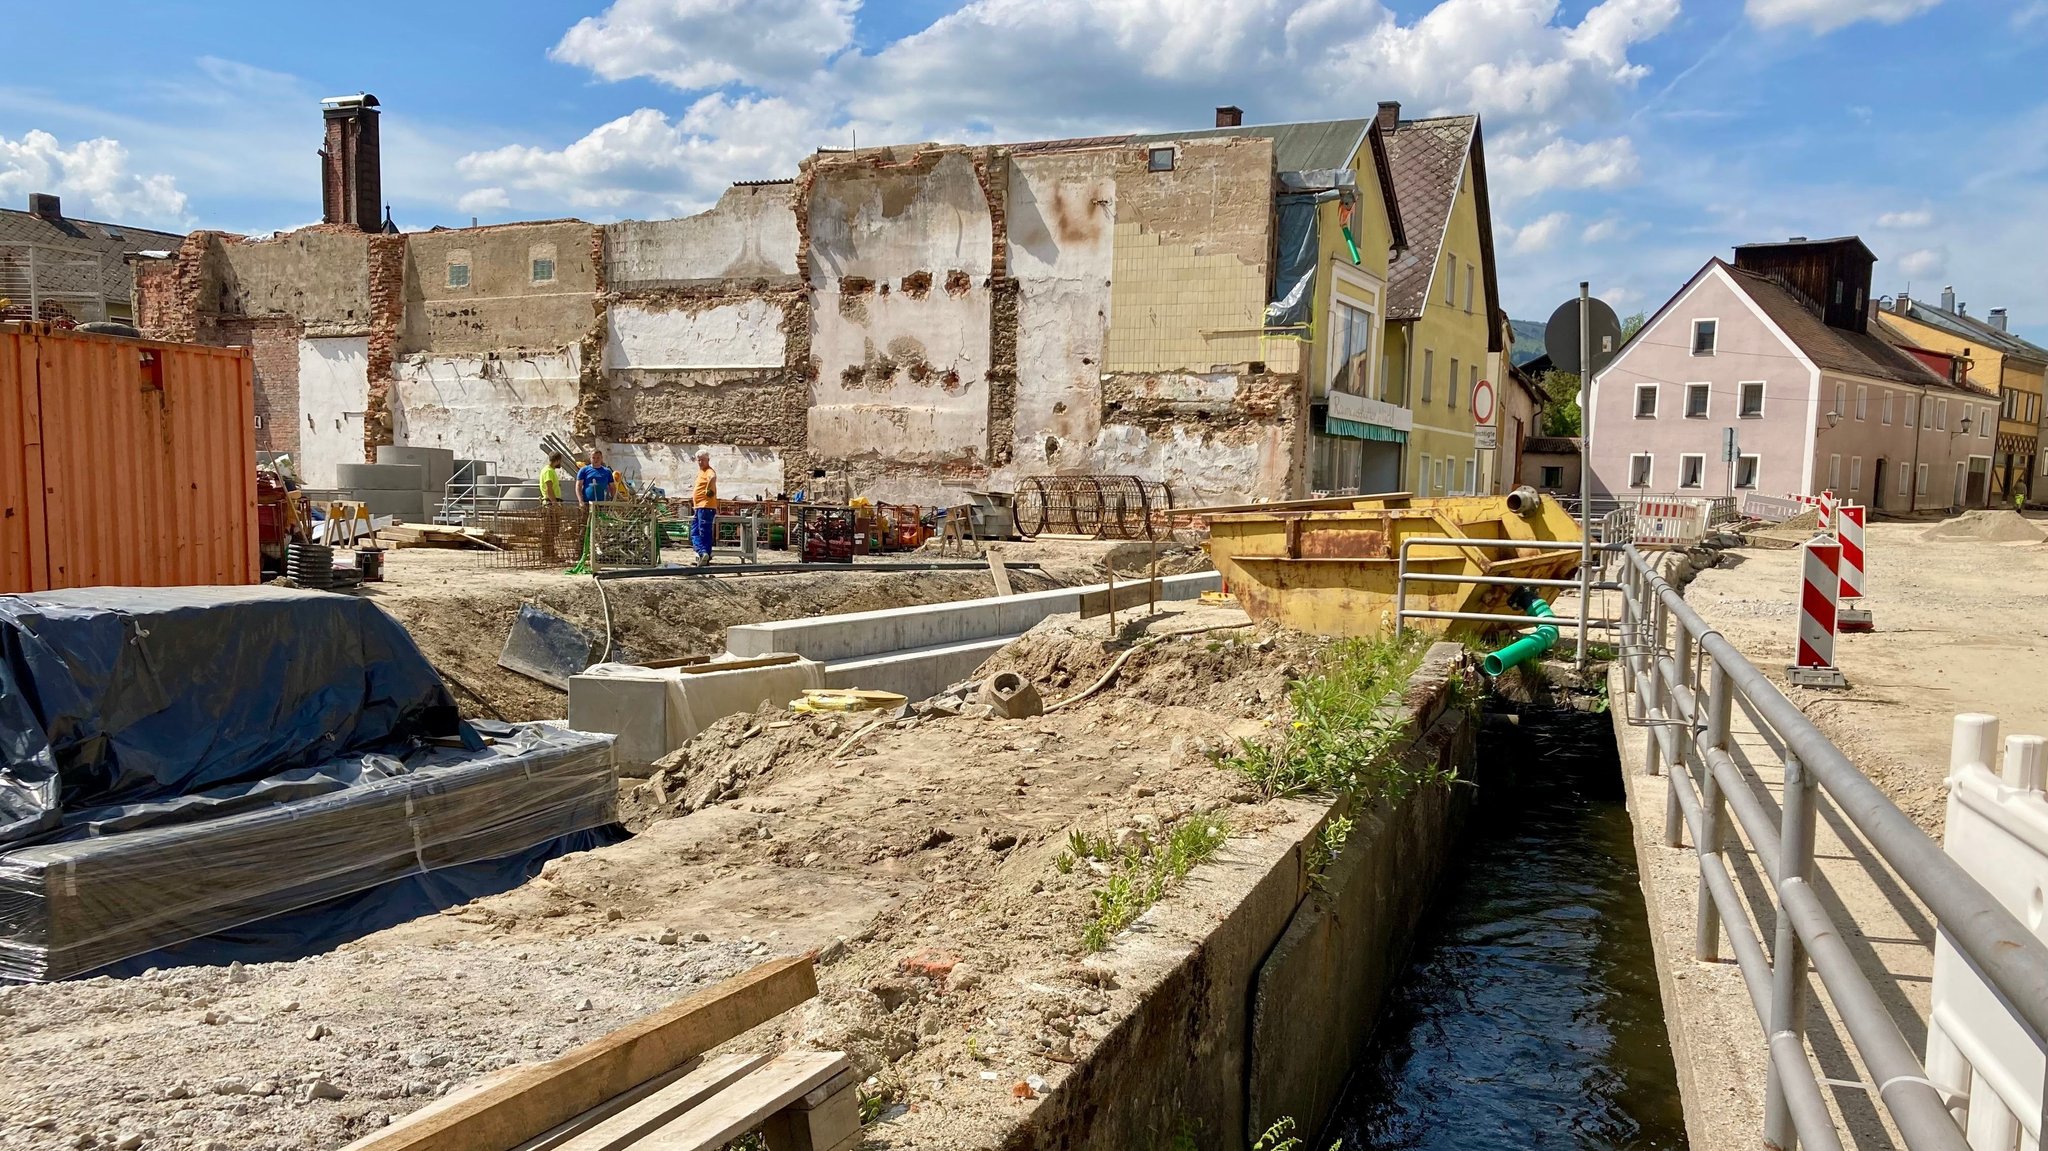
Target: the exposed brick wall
pixel 274 344
pixel 168 303
pixel 387 320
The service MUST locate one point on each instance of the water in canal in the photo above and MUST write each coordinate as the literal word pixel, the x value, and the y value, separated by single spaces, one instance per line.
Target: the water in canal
pixel 1529 1016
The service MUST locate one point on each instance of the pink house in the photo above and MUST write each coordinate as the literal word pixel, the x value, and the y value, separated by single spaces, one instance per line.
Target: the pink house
pixel 1769 375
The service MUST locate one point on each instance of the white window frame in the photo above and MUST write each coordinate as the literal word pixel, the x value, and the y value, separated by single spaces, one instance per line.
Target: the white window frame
pixel 1920 487
pixel 1694 347
pixel 1543 475
pixel 1422 474
pixel 1451 279
pixel 1855 475
pixel 1862 402
pixel 1436 477
pixel 1687 459
pixel 1451 386
pixel 1649 469
pixel 1842 400
pixel 1472 380
pixel 1905 479
pixel 1756 468
pixel 1428 370
pixel 1984 426
pixel 1941 415
pixel 1472 474
pixel 1885 411
pixel 1471 275
pixel 1706 409
pixel 1912 408
pixel 1335 358
pixel 1653 389
pixel 1742 393
pixel 1834 472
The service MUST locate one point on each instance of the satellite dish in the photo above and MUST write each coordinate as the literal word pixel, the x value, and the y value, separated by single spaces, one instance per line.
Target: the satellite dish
pixel 1561 335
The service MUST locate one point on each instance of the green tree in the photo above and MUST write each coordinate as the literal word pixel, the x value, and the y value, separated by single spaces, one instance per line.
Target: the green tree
pixel 1561 416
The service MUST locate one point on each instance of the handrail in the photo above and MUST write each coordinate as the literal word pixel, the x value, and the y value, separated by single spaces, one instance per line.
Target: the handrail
pixel 1683 715
pixel 1403 577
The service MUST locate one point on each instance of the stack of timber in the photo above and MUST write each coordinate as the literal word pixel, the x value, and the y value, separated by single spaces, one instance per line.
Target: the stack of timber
pixel 653 1086
pixel 438 536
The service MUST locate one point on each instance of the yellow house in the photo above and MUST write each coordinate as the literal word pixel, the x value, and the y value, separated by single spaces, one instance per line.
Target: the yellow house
pixel 2015 368
pixel 1442 298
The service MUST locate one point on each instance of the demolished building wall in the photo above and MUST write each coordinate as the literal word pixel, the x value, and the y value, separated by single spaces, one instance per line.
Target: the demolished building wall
pixel 706 339
pixel 898 251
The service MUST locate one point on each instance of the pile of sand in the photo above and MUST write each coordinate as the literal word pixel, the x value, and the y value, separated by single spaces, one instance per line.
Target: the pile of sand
pixel 1986 526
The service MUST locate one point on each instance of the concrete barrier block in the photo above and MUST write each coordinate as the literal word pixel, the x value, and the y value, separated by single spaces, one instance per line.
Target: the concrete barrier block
pixel 381 477
pixel 918 673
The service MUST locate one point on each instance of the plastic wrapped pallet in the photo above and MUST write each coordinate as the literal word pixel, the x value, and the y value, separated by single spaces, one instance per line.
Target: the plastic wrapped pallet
pixel 132 878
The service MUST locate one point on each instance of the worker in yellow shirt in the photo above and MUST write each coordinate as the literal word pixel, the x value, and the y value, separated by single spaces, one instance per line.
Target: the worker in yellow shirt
pixel 704 509
pixel 550 504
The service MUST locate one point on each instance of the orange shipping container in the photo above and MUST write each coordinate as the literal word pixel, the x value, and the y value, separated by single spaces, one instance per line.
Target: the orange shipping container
pixel 126 462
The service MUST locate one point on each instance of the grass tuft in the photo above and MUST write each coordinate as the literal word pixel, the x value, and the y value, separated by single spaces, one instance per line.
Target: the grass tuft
pixel 1341 731
pixel 1141 872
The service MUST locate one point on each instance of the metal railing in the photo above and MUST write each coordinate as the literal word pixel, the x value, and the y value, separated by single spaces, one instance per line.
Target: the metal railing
pixel 1403 577
pixel 1683 679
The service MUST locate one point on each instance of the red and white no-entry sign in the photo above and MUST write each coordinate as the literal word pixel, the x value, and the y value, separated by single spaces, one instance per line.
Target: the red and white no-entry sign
pixel 1482 403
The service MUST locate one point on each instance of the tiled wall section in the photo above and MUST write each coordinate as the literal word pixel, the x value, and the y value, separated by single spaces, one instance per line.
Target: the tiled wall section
pixel 1172 306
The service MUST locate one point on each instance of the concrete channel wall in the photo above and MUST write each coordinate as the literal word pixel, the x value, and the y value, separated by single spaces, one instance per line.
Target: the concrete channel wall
pixel 1262 980
pixel 921 650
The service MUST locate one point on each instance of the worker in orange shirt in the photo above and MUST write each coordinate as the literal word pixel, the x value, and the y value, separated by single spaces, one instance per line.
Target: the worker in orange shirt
pixel 704 508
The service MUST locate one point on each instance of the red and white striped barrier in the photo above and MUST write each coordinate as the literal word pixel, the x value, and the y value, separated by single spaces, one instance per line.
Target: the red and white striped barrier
pixel 1819 590
pixel 1850 614
pixel 1828 505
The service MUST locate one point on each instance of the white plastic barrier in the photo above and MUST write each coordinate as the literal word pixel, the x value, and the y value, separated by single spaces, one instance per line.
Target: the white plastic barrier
pixel 1671 523
pixel 1977 1052
pixel 1770 508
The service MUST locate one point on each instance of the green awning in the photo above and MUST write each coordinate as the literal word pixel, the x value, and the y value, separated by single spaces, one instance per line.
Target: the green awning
pixel 1342 427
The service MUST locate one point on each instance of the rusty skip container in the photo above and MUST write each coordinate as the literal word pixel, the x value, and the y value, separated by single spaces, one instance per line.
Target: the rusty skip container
pixel 124 462
pixel 1333 570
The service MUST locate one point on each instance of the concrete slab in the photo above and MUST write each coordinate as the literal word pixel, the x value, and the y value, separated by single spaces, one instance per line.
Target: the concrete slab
pixel 919 672
pixel 856 634
pixel 653 711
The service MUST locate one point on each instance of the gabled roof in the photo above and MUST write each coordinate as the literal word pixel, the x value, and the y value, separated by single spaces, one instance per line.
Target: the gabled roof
pixel 108 277
pixel 1832 349
pixel 1428 160
pixel 1972 328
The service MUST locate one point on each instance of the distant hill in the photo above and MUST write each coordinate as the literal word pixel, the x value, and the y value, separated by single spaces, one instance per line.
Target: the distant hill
pixel 1528 341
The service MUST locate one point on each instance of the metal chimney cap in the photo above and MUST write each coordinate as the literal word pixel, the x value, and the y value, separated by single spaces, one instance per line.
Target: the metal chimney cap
pixel 359 100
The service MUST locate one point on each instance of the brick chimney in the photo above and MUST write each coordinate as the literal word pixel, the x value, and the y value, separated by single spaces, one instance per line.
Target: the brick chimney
pixel 1229 116
pixel 351 179
pixel 46 206
pixel 1390 115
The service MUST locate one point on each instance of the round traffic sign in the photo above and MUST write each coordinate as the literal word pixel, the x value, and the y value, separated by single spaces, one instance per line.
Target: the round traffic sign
pixel 1482 403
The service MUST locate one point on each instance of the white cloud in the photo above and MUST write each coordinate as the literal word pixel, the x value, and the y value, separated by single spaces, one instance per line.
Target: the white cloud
pixel 1611 228
pixel 1924 262
pixel 1913 218
pixel 1608 163
pixel 2034 13
pixel 1824 16
pixel 1540 234
pixel 1032 69
pixel 645 161
pixel 92 174
pixel 484 200
pixel 693 44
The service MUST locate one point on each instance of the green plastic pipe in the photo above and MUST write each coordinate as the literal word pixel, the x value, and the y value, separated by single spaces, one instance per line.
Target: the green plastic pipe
pixel 1528 647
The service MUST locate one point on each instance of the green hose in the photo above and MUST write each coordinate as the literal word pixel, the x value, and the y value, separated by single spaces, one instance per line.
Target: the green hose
pixel 1529 646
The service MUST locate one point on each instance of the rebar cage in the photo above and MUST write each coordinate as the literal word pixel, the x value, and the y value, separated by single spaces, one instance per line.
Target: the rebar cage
pixel 1100 507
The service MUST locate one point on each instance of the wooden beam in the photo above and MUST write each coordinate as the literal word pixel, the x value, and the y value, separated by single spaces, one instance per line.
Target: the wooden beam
pixel 748 1103
pixel 649 1114
pixel 535 1099
pixel 999 572
pixel 1120 597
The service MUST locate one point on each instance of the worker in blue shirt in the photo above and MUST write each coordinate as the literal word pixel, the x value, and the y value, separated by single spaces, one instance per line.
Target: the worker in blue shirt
pixel 594 481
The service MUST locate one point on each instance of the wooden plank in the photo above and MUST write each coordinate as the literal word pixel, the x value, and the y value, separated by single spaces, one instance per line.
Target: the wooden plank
pixel 748 1103
pixel 538 1098
pixel 775 660
pixel 823 1120
pixel 561 1133
pixel 1122 597
pixel 999 572
pixel 650 1113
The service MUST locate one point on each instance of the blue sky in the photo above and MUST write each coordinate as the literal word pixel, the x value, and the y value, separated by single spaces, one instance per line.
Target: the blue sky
pixel 1628 140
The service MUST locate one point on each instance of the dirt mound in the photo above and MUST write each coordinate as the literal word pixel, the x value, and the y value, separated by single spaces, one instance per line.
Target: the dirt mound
pixel 1986 526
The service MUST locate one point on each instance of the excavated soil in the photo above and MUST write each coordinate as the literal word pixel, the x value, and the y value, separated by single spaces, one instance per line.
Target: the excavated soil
pixel 920 858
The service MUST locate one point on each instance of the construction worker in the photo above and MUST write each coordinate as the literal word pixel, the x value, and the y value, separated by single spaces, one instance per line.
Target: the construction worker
pixel 551 504
pixel 704 509
pixel 594 481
